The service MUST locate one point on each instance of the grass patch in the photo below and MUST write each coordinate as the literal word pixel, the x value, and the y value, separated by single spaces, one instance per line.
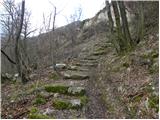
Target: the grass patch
pixel 154 68
pixel 154 102
pixel 38 116
pixel 39 100
pixel 57 89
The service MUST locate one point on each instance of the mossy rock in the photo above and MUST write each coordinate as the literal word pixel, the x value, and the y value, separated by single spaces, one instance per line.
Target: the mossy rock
pixel 38 116
pixel 57 89
pixel 54 76
pixel 34 114
pixel 61 104
pixel 67 104
pixel 39 101
pixel 78 91
pixel 84 100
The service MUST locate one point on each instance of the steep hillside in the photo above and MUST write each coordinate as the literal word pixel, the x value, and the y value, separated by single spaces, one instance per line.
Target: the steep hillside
pixel 92 81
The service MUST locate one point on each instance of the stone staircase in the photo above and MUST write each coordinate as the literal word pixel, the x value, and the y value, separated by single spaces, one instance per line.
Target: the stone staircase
pixel 66 98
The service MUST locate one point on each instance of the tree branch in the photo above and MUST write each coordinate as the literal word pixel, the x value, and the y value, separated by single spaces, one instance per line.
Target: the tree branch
pixel 9 59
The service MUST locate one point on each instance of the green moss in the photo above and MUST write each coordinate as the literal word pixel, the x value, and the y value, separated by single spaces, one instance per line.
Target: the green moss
pixel 126 64
pixel 33 110
pixel 154 54
pixel 151 55
pixel 39 100
pixel 84 100
pixel 59 104
pixel 154 102
pixel 57 89
pixel 54 76
pixel 38 116
pixel 154 68
pixel 137 98
pixel 33 114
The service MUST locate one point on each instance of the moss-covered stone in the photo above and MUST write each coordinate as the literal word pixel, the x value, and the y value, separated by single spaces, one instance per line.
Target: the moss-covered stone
pixel 57 89
pixel 78 91
pixel 34 114
pixel 38 116
pixel 84 100
pixel 39 100
pixel 60 104
pixel 67 104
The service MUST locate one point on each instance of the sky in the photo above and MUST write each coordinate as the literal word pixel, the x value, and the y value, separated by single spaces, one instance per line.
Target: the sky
pixel 66 8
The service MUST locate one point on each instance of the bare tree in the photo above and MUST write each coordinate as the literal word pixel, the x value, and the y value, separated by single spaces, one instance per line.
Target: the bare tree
pixel 124 40
pixel 14 25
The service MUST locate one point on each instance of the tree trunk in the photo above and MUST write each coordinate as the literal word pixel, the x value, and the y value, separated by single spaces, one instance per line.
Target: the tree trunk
pixel 19 64
pixel 111 25
pixel 140 29
pixel 120 39
pixel 125 27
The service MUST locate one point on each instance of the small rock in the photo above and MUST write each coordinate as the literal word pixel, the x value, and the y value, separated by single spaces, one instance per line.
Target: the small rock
pixel 72 68
pixel 74 75
pixel 60 66
pixel 48 111
pixel 56 95
pixel 75 102
pixel 71 83
pixel 51 67
pixel 76 90
pixel 16 75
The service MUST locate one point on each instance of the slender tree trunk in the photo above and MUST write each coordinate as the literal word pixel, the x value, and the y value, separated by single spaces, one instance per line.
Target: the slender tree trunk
pixel 120 38
pixel 111 25
pixel 125 26
pixel 140 29
pixel 17 50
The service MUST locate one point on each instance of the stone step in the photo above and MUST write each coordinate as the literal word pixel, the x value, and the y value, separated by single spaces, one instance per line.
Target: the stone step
pixel 70 82
pixel 63 104
pixel 86 64
pixel 91 58
pixel 75 75
pixel 67 90
pixel 77 68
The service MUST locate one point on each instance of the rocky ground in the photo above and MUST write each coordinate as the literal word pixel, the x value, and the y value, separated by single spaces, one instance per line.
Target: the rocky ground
pixel 98 84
